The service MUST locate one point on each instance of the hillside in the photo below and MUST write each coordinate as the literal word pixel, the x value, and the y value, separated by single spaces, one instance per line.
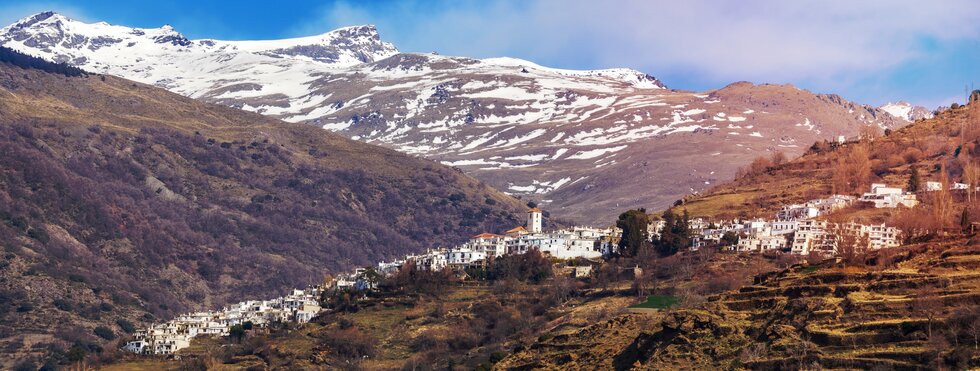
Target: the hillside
pixel 582 143
pixel 920 313
pixel 122 203
pixel 947 142
pixel 912 307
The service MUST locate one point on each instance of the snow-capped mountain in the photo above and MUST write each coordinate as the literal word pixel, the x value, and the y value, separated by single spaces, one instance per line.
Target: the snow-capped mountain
pixel 164 57
pixel 586 144
pixel 906 111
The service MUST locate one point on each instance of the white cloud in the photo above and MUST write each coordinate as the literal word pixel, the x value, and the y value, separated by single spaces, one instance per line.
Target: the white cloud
pixel 718 40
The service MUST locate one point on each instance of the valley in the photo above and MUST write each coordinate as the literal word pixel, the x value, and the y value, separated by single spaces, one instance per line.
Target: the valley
pixel 242 191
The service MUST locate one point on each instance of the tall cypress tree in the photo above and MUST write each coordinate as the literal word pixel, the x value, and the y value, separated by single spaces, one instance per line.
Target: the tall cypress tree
pixel 965 220
pixel 913 185
pixel 675 235
pixel 635 235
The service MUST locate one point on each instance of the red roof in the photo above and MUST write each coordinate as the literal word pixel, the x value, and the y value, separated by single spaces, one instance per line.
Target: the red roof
pixel 518 229
pixel 534 210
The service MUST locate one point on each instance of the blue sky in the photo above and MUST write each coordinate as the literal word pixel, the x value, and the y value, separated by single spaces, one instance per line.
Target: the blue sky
pixel 872 52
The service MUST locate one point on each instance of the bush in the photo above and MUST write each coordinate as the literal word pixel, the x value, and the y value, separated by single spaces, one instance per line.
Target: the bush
pixel 26 365
pixel 104 332
pixel 76 353
pixel 531 266
pixel 350 343
pixel 126 326
pixel 64 305
pixel 237 333
pixel 26 307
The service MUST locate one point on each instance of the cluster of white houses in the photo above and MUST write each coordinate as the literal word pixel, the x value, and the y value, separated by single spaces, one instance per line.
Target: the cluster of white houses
pixel 796 230
pixel 302 305
pixel 576 242
pixel 167 338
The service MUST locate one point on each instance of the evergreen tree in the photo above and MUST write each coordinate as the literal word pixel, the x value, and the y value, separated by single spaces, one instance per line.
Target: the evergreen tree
pixel 965 220
pixel 914 181
pixel 730 238
pixel 635 235
pixel 675 235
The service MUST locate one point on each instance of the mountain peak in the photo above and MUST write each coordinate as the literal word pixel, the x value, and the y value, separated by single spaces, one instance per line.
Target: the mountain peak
pixel 906 111
pixel 42 17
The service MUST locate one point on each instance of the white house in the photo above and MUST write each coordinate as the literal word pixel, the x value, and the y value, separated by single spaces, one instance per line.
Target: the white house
pixel 879 235
pixel 832 203
pixel 655 226
pixel 492 245
pixel 812 235
pixel 797 212
pixel 761 242
pixel 464 255
pixel 782 227
pixel 889 197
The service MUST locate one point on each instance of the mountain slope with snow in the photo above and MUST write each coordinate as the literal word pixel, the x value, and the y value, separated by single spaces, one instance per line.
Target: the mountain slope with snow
pixel 906 111
pixel 586 144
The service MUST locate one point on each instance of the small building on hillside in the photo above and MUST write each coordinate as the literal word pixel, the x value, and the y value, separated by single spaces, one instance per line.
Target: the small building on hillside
pixel 797 212
pixel 783 227
pixel 883 196
pixel 492 245
pixel 812 235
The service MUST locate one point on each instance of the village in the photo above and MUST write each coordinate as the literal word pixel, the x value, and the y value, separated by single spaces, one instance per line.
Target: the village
pixel 797 229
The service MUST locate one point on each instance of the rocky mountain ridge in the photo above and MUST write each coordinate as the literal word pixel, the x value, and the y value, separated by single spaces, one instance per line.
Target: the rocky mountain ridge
pixel 584 144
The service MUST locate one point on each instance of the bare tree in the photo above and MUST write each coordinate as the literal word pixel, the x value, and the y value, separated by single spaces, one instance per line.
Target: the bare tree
pixel 869 133
pixel 974 328
pixel 851 243
pixel 942 202
pixel 853 170
pixel 971 176
pixel 927 303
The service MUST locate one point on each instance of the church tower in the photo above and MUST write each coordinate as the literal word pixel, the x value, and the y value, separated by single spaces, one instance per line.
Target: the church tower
pixel 534 220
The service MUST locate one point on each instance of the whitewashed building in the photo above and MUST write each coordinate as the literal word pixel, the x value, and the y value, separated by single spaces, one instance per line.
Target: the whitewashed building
pixel 883 196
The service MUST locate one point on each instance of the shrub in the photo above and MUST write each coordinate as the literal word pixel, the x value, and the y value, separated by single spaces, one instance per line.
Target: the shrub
pixel 76 353
pixel 237 333
pixel 64 305
pixel 126 326
pixel 104 332
pixel 350 343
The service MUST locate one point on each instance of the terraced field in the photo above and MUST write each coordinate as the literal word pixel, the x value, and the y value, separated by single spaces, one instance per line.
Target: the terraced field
pixel 917 315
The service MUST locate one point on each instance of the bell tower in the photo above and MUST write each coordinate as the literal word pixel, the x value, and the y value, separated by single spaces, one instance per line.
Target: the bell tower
pixel 534 220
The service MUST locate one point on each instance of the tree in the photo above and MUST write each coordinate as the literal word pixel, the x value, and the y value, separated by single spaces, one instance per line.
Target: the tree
pixel 635 235
pixel 965 220
pixel 914 181
pixel 927 303
pixel 852 245
pixel 778 158
pixel 942 202
pixel 869 133
pixel 730 238
pixel 853 170
pixel 237 333
pixel 675 234
pixel 971 176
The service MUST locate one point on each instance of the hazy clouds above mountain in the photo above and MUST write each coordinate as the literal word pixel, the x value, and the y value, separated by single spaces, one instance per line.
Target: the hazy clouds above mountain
pixel 827 45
